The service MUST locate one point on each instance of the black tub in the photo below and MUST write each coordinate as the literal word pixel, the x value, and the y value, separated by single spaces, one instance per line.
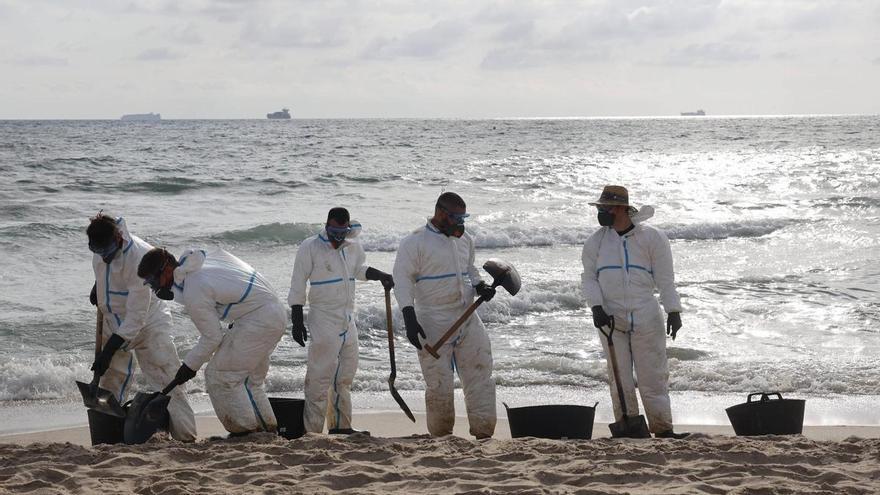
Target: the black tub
pixel 767 416
pixel 289 414
pixel 104 428
pixel 553 421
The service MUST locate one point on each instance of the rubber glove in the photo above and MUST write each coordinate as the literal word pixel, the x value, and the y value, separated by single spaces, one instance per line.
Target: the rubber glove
pixel 93 295
pixel 299 333
pixel 673 323
pixel 184 374
pixel 601 318
pixel 413 329
pixel 486 291
pixel 102 362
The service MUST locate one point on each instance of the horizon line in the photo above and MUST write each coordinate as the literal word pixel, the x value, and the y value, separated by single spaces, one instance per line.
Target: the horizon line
pixel 574 117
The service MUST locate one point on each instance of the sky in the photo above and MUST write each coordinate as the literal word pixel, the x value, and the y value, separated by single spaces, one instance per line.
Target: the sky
pixel 450 59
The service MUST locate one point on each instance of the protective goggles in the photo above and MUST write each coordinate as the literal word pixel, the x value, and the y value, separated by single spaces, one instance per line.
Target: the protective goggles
pixel 337 234
pixel 153 280
pixel 457 218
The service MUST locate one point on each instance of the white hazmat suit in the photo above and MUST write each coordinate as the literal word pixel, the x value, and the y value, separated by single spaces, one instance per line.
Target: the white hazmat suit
pixel 621 274
pixel 133 312
pixel 436 275
pixel 218 287
pixel 333 338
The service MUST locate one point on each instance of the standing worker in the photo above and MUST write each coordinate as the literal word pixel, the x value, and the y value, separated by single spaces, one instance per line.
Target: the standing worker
pixel 330 262
pixel 140 323
pixel 218 287
pixel 436 281
pixel 624 262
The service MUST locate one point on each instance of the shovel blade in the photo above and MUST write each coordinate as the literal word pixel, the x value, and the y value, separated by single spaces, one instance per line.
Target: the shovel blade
pixel 630 427
pixel 504 275
pixel 100 400
pixel 400 401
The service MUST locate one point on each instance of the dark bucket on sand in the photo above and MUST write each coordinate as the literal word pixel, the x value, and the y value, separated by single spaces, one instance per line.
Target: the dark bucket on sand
pixel 766 416
pixel 555 421
pixel 289 414
pixel 105 428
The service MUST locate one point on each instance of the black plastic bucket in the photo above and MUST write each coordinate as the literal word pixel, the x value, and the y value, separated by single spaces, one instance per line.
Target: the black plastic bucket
pixel 767 416
pixel 105 428
pixel 553 421
pixel 289 414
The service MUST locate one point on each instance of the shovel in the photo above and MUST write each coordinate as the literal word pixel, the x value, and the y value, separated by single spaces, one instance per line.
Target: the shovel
pixel 504 275
pixel 93 396
pixel 629 426
pixel 148 413
pixel 393 375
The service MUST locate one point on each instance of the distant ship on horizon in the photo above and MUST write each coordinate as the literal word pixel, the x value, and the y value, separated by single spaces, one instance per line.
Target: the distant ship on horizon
pixel 698 113
pixel 142 117
pixel 283 114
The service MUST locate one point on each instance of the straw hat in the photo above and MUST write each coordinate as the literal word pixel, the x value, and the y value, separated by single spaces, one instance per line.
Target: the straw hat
pixel 615 196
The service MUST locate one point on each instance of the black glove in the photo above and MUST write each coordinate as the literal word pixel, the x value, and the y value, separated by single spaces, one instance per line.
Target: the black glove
pixel 601 318
pixel 93 295
pixel 102 362
pixel 184 374
pixel 486 291
pixel 673 323
pixel 299 333
pixel 413 329
pixel 386 278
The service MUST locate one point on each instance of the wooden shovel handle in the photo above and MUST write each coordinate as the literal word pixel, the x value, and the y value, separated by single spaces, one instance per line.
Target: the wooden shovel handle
pixel 388 325
pixel 99 333
pixel 432 349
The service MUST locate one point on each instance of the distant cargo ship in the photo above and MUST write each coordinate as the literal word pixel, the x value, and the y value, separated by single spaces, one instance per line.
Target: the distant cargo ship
pixel 144 117
pixel 283 114
pixel 698 113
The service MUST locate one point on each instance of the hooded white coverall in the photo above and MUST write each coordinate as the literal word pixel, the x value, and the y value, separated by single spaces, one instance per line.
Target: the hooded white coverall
pixel 333 338
pixel 133 312
pixel 217 287
pixel 435 273
pixel 621 274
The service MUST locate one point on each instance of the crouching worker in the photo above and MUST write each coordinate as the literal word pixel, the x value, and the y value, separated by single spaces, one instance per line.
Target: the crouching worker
pixel 218 287
pixel 140 323
pixel 330 262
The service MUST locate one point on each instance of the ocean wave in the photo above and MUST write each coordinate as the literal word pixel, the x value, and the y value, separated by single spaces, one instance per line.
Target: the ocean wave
pixel 271 233
pixel 503 236
pixel 725 230
pixel 167 185
pixel 39 230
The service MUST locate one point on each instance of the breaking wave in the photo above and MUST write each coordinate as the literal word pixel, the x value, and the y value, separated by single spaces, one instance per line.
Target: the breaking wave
pixel 503 236
pixel 271 233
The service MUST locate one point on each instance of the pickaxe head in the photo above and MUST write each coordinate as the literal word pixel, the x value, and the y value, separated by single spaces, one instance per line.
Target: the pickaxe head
pixel 505 275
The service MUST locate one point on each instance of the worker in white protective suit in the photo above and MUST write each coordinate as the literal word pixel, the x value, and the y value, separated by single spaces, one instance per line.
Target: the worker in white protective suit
pixel 435 281
pixel 218 287
pixel 329 263
pixel 139 324
pixel 624 262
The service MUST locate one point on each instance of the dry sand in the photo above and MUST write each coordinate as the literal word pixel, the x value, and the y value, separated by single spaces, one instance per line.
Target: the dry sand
pixel 822 461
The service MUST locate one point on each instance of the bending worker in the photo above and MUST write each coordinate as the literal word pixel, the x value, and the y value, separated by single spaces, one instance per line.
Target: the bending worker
pixel 624 262
pixel 218 287
pixel 436 280
pixel 140 323
pixel 330 262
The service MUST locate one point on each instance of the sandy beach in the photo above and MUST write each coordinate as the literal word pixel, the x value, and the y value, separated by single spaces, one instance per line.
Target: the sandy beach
pixel 400 458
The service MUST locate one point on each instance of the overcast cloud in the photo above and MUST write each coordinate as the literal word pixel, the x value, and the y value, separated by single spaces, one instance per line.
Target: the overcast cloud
pixel 440 58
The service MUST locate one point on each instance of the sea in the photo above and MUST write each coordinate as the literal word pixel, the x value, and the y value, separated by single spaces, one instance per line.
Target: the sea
pixel 774 224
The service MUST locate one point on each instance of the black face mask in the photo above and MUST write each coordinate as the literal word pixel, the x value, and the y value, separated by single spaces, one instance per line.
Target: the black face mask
pixel 165 294
pixel 606 218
